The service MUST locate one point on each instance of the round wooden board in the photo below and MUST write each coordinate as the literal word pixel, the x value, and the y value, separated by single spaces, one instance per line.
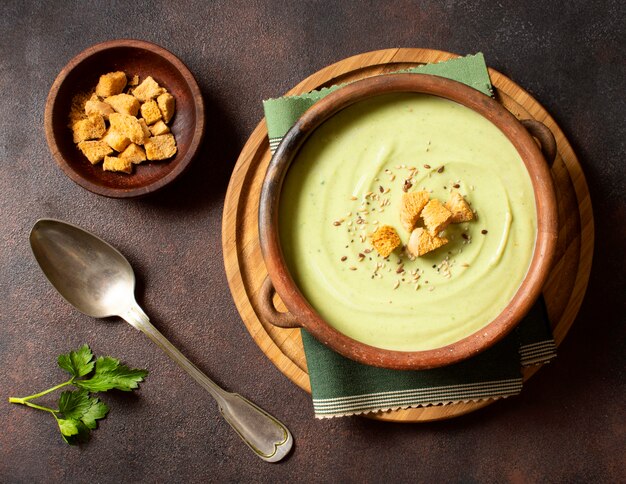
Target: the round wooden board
pixel 246 271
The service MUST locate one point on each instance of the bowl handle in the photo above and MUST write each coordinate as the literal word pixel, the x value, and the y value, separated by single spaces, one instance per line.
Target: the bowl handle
pixel 545 137
pixel 268 310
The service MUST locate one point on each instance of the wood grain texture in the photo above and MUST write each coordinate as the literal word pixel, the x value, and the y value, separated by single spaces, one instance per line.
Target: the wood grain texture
pixel 244 265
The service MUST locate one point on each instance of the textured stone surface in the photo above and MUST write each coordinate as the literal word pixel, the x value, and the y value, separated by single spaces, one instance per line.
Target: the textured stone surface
pixel 569 423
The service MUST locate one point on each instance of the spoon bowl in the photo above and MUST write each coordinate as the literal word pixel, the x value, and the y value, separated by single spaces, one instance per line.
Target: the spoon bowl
pixel 96 279
pixel 89 273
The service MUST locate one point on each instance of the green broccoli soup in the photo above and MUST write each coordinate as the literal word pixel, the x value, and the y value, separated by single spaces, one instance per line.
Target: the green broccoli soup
pixel 349 179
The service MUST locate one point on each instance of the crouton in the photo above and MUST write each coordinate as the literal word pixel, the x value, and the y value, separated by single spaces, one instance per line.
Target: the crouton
pixel 411 208
pixel 113 163
pixel 134 153
pixel 95 106
pixel 116 140
pixel 95 151
pixel 385 240
pixel 167 104
pixel 421 242
pixel 150 112
pixel 436 216
pixel 460 209
pixel 144 127
pixel 128 126
pixel 134 80
pixel 124 104
pixel 91 128
pixel 111 84
pixel 159 128
pixel 148 89
pixel 160 147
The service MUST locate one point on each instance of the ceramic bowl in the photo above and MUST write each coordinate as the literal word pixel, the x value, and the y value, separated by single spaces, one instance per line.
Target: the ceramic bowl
pixel 522 135
pixel 81 74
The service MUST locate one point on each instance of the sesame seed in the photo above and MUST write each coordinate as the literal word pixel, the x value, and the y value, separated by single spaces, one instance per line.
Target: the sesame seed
pixel 483 231
pixel 343 259
pixel 352 268
pixel 440 169
pixel 456 185
pixel 427 167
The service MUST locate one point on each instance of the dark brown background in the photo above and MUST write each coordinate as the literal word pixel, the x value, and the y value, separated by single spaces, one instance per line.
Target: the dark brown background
pixel 567 426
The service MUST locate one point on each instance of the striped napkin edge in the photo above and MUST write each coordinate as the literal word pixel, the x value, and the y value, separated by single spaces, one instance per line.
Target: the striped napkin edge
pixel 538 353
pixel 416 398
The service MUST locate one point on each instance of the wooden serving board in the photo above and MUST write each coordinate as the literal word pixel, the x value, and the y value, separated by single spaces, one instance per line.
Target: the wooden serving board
pixel 246 271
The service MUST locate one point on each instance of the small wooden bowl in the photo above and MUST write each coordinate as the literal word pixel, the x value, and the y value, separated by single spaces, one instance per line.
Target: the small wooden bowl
pixel 81 74
pixel 302 314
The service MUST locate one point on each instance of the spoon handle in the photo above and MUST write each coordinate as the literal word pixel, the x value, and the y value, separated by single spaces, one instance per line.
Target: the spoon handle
pixel 264 434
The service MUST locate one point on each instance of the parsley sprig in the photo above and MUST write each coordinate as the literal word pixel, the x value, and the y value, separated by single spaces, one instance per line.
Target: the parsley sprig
pixel 77 410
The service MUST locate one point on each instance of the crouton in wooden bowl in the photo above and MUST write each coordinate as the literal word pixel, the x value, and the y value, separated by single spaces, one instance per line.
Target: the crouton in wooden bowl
pixel 160 126
pixel 407 221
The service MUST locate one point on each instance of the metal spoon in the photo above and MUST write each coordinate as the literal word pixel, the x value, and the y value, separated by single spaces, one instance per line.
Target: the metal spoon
pixel 97 280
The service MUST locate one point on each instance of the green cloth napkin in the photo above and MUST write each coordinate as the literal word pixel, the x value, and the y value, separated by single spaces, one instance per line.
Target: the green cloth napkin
pixel 344 387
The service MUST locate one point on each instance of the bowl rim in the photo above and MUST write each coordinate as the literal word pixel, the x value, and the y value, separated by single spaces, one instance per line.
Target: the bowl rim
pixel 181 165
pixel 545 202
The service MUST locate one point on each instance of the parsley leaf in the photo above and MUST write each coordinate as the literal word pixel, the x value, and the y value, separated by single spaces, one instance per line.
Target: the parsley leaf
pixel 68 426
pixel 78 411
pixel 77 363
pixel 96 411
pixel 78 405
pixel 74 404
pixel 109 374
pixel 73 431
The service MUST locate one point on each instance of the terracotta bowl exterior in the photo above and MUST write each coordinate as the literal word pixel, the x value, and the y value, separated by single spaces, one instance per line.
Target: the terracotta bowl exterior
pixel 302 314
pixel 81 74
